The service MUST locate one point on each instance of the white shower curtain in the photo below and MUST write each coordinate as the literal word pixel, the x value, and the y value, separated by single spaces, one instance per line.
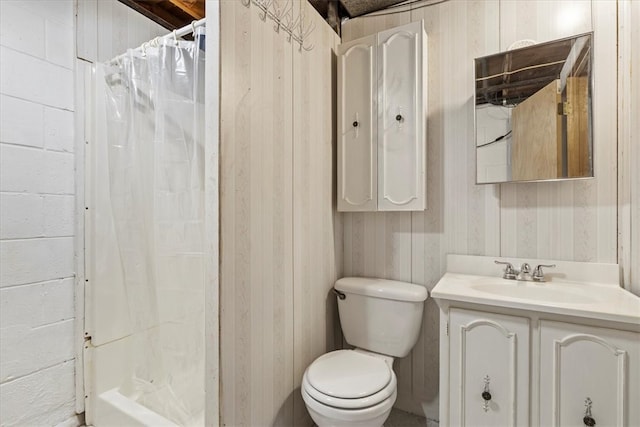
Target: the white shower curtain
pixel 155 130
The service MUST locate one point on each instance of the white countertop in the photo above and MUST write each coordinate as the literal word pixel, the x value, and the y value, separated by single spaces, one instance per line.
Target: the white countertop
pixel 590 300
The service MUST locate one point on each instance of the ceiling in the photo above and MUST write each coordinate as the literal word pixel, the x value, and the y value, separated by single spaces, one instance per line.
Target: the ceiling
pixel 361 7
pixel 173 14
pixel 352 8
pixel 509 77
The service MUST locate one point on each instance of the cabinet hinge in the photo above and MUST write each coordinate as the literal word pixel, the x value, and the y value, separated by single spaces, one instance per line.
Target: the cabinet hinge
pixel 565 108
pixel 447 326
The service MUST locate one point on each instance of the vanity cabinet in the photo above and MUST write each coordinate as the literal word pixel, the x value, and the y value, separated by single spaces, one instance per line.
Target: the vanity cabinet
pixel 489 356
pixel 382 121
pixel 553 350
pixel 540 372
pixel 581 366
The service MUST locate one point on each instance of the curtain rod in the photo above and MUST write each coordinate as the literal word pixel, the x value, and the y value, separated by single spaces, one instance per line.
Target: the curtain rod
pixel 180 32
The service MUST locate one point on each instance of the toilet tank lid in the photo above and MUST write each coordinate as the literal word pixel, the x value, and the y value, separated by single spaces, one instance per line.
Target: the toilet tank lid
pixel 381 288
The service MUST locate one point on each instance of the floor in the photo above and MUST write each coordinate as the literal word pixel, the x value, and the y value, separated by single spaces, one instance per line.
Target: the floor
pixel 400 418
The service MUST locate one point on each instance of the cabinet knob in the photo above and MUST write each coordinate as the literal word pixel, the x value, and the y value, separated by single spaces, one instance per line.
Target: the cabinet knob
pixel 399 117
pixel 588 419
pixel 486 394
pixel 355 124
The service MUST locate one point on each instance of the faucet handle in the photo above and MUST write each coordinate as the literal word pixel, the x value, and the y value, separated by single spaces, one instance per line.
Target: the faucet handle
pixel 509 271
pixel 538 274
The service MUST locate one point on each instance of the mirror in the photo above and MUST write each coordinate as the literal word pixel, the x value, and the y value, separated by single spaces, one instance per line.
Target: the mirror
pixel 533 112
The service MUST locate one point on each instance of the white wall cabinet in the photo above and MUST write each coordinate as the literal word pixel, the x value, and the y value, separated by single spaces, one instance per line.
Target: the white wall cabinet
pixel 489 353
pixel 382 121
pixel 579 363
pixel 541 372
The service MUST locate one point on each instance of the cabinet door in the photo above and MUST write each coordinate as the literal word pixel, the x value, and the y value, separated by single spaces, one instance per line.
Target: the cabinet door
pixel 357 126
pixel 401 118
pixel 488 349
pixel 579 363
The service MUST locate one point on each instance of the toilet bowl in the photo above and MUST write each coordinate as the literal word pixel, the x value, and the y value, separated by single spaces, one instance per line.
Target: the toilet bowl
pixel 351 388
pixel 327 416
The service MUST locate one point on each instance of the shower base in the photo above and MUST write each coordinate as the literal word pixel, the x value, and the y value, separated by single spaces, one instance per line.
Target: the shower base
pixel 115 409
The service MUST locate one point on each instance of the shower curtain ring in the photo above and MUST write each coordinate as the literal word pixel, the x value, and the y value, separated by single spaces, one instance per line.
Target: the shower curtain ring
pixel 193 27
pixel 175 36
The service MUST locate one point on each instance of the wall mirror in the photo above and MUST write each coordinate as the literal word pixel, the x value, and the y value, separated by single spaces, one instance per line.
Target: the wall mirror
pixel 533 112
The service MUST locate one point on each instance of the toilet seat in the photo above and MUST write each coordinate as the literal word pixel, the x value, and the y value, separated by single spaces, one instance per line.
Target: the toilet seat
pixel 325 415
pixel 349 379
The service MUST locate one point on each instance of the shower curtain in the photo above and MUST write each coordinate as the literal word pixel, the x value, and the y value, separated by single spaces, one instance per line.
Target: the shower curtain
pixel 155 130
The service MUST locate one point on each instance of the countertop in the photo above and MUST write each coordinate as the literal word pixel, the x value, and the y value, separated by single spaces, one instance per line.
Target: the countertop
pixel 594 301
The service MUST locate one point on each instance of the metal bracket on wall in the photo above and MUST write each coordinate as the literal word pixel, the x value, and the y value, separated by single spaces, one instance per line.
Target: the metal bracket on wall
pixel 298 29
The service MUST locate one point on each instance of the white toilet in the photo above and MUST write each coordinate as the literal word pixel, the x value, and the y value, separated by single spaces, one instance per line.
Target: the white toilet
pixel 382 319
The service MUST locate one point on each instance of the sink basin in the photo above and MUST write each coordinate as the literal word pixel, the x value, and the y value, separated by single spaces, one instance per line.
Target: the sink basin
pixel 587 290
pixel 542 292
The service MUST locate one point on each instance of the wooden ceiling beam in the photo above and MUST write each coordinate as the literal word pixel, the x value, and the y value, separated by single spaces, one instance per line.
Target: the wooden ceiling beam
pixel 168 13
pixel 194 8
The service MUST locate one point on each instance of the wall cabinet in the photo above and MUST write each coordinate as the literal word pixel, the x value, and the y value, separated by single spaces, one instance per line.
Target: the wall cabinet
pixel 567 367
pixel 382 121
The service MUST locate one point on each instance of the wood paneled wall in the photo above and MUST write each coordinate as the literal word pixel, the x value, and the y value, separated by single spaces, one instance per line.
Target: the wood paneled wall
pixel 317 232
pixel 629 143
pixel 633 263
pixel 280 235
pixel 565 220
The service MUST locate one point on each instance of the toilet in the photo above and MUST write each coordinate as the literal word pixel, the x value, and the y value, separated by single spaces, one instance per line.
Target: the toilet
pixel 381 319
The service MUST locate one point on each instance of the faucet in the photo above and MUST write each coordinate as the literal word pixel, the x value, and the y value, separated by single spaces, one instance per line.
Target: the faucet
pixel 509 272
pixel 525 272
pixel 538 274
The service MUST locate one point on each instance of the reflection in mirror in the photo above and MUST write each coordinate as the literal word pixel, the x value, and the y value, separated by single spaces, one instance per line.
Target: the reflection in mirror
pixel 533 112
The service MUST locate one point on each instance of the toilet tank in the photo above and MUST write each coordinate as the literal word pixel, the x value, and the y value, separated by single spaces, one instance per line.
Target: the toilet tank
pixel 382 316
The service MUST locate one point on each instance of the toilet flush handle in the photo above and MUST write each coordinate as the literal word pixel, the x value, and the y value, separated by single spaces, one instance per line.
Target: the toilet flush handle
pixel 338 293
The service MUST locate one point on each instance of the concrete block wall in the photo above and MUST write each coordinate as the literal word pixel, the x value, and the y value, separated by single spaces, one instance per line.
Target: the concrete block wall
pixel 37 186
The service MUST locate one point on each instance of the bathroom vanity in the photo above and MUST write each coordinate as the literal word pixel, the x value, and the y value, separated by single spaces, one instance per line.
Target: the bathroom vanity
pixel 564 352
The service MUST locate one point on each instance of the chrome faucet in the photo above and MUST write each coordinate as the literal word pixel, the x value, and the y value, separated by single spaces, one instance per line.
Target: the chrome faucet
pixel 525 272
pixel 509 272
pixel 538 274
